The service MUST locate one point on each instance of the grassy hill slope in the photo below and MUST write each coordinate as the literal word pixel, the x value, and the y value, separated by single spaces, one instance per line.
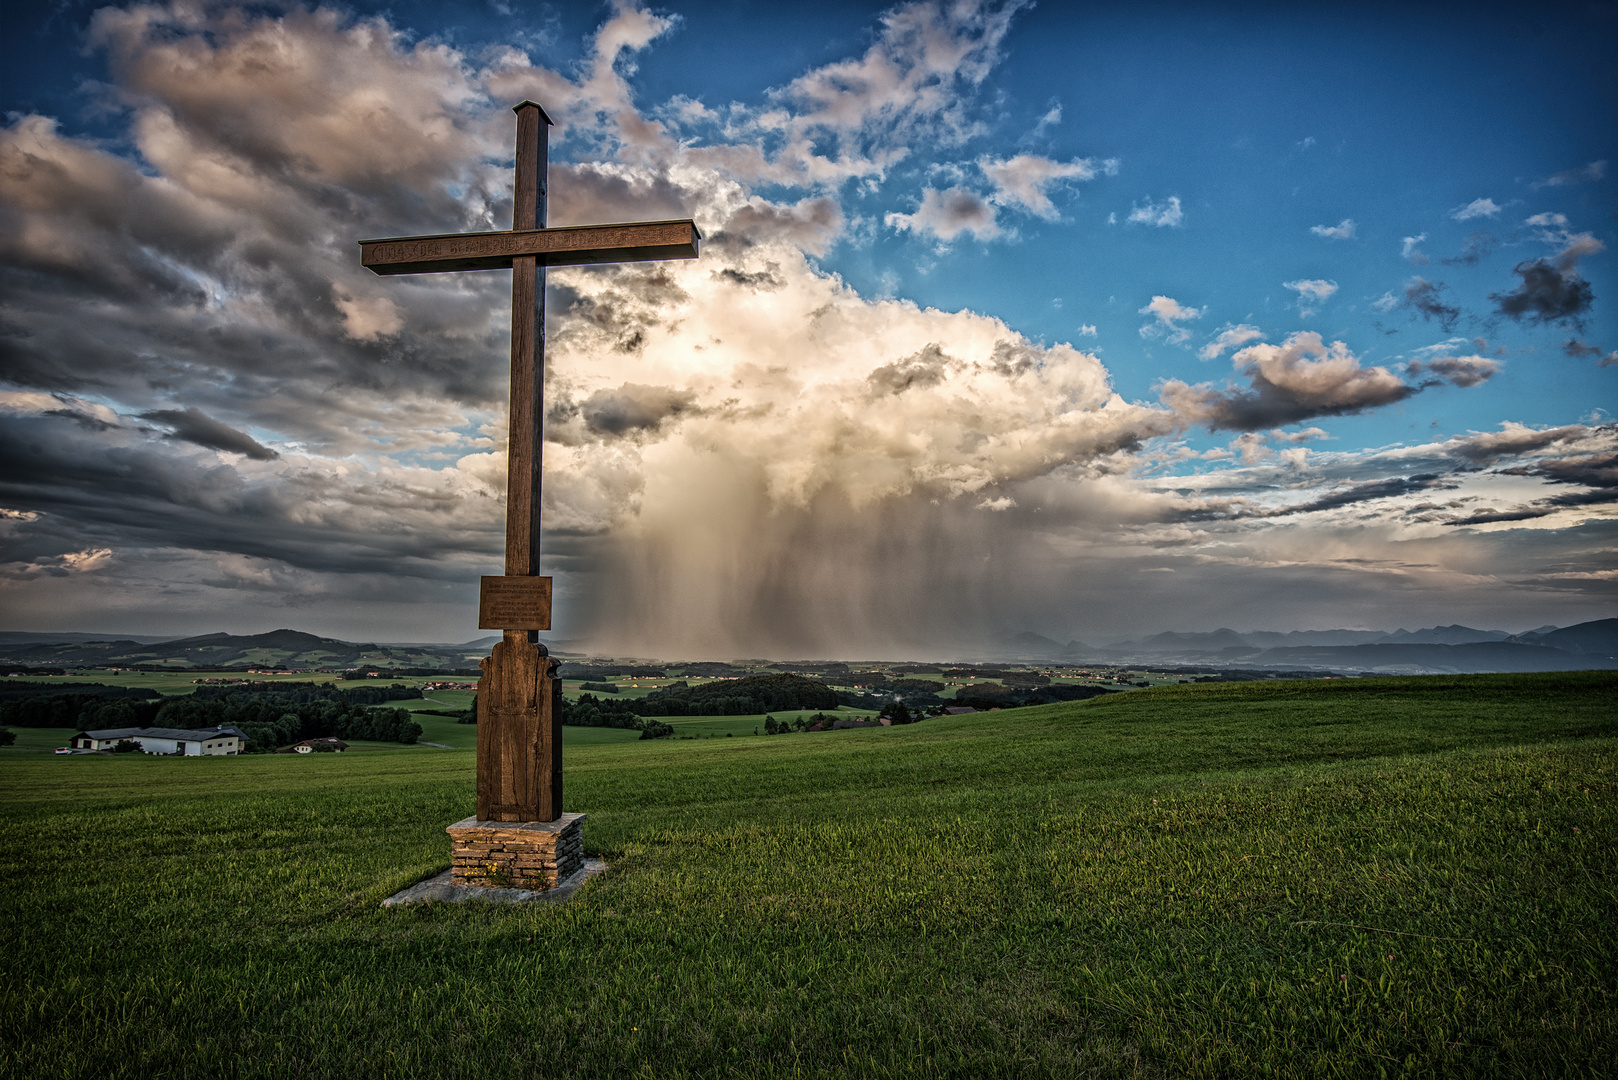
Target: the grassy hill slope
pixel 1366 877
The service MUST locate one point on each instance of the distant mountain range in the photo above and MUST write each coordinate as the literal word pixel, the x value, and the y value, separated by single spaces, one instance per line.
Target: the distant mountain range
pixel 1437 650
pixel 276 649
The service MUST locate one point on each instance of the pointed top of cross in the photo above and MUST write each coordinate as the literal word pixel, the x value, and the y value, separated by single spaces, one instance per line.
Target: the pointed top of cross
pixel 543 115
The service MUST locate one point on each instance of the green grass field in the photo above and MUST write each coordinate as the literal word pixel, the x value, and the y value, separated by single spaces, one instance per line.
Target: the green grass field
pixel 1379 877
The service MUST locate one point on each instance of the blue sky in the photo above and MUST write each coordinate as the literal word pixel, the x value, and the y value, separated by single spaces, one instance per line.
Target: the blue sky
pixel 1116 227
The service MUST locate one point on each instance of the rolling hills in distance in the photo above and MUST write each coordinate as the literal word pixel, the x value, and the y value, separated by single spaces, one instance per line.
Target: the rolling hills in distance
pixel 1434 650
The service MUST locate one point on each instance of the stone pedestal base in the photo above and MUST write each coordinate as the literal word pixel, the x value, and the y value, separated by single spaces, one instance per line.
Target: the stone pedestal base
pixel 534 855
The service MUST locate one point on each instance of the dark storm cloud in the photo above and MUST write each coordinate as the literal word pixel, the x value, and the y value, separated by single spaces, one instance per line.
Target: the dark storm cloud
pixel 129 285
pixel 768 279
pixel 195 426
pixel 589 194
pixel 1591 470
pixel 1546 295
pixel 633 408
pixel 1425 298
pixel 1369 490
pixel 1596 473
pixel 811 224
pixel 1551 290
pixel 119 489
pixel 947 214
pixel 927 368
pixel 82 418
pixel 1457 370
pixel 620 316
pixel 1473 249
pixel 1491 515
pixel 1579 350
pixel 1515 440
pixel 1298 380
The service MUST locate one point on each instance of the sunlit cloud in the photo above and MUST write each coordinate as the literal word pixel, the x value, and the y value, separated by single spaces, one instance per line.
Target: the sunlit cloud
pixel 1343 230
pixel 1167 214
pixel 1169 315
pixel 1477 208
pixel 1312 292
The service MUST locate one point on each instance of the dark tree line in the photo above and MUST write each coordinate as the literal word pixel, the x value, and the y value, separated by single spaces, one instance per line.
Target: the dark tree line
pixel 303 692
pixel 737 697
pixel 42 705
pixel 268 714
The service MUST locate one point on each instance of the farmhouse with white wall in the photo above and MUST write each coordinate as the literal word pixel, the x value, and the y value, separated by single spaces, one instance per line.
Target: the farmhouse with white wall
pixel 157 740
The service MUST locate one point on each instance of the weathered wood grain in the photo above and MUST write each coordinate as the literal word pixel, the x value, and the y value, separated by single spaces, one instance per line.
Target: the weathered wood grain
pixel 523 443
pixel 577 245
pixel 519 734
pixel 528 191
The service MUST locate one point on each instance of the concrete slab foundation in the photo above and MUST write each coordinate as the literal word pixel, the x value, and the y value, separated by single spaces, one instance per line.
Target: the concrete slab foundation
pixel 441 888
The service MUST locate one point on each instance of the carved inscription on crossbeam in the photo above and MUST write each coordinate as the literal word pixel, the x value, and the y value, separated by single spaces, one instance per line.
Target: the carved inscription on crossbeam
pixel 575 246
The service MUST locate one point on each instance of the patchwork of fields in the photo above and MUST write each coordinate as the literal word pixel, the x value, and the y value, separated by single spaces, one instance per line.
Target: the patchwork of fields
pixel 1403 877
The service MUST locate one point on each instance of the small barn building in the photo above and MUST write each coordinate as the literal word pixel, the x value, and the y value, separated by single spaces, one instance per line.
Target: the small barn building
pixel 207 742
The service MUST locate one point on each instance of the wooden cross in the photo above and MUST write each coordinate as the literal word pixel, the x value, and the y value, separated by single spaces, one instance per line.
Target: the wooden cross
pixel 519 698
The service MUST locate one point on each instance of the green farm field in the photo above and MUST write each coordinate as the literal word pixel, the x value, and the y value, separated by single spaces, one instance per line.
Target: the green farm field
pixel 1376 877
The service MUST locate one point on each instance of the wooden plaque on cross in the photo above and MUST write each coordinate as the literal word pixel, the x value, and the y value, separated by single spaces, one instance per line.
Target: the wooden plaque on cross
pixel 519 698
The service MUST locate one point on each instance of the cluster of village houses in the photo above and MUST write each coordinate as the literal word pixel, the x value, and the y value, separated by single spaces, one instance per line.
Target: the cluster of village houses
pixel 183 742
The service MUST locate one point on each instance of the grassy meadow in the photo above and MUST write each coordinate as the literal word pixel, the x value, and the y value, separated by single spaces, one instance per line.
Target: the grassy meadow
pixel 1401 877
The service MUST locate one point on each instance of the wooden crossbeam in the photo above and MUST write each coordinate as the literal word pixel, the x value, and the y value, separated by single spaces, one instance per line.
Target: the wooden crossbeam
pixel 577 245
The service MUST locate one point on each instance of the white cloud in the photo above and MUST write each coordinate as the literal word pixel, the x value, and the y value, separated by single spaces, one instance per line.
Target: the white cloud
pixel 1024 181
pixel 1477 208
pixel 1308 434
pixel 1052 117
pixel 1252 447
pixel 1343 230
pixel 1594 171
pixel 1552 227
pixel 367 318
pixel 1232 337
pixel 1170 313
pixel 1160 214
pixel 1088 330
pixel 947 214
pixel 1312 292
pixel 1409 251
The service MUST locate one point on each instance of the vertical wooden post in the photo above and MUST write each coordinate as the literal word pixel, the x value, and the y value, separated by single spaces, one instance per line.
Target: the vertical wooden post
pixel 525 447
pixel 519 696
pixel 519 714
